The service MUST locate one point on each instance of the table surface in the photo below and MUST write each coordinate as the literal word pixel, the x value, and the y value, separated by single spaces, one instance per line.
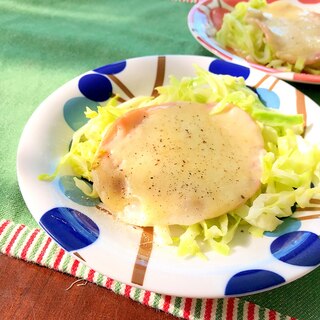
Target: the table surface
pixel 29 291
pixel 43 45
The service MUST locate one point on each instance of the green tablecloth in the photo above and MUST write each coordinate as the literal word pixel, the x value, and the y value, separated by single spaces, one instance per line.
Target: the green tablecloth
pixel 45 44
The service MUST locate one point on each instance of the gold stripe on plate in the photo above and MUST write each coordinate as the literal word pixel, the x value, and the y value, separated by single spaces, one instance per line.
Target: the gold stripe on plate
pixel 160 75
pixel 142 259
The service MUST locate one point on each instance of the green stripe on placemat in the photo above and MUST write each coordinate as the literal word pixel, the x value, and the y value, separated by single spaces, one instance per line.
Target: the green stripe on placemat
pixel 34 245
pixel 177 306
pixel 219 309
pixel 137 294
pixel 197 309
pixel 240 309
pixel 157 298
pixel 100 279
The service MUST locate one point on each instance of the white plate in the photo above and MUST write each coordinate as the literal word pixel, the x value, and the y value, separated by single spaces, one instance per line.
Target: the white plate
pixel 200 22
pixel 112 248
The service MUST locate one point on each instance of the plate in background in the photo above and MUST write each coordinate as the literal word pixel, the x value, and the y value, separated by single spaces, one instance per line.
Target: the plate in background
pixel 206 14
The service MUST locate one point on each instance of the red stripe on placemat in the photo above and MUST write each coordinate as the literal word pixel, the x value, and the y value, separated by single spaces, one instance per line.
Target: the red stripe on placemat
pixel 74 267
pixel 127 290
pixel 109 283
pixel 28 244
pixel 230 308
pixel 272 315
pixel 43 251
pixel 166 304
pixel 3 226
pixel 14 238
pixel 91 275
pixel 58 259
pixel 208 309
pixel 251 307
pixel 187 308
pixel 146 297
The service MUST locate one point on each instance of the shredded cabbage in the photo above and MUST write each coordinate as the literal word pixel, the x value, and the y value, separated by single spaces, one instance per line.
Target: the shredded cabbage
pixel 248 40
pixel 291 166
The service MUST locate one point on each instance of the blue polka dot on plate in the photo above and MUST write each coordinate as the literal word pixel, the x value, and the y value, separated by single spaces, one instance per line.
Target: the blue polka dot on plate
pixel 95 87
pixel 70 228
pixel 299 248
pixel 288 225
pixel 252 280
pixel 269 98
pixel 227 68
pixel 112 68
pixel 73 111
pixel 70 190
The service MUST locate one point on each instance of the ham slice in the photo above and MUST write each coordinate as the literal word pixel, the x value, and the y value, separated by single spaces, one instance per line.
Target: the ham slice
pixel 178 164
pixel 291 31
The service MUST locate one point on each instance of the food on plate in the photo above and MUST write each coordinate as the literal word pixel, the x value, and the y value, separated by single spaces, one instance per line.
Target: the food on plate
pixel 176 163
pixel 252 160
pixel 279 35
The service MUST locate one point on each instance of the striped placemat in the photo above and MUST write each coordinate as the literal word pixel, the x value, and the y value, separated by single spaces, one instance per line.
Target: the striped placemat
pixel 34 245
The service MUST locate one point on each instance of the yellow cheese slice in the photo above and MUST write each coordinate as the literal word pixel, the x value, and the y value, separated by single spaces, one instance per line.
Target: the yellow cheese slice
pixel 178 164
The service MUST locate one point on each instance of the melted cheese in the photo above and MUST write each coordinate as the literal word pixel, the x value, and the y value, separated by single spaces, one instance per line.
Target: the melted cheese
pixel 291 31
pixel 177 164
